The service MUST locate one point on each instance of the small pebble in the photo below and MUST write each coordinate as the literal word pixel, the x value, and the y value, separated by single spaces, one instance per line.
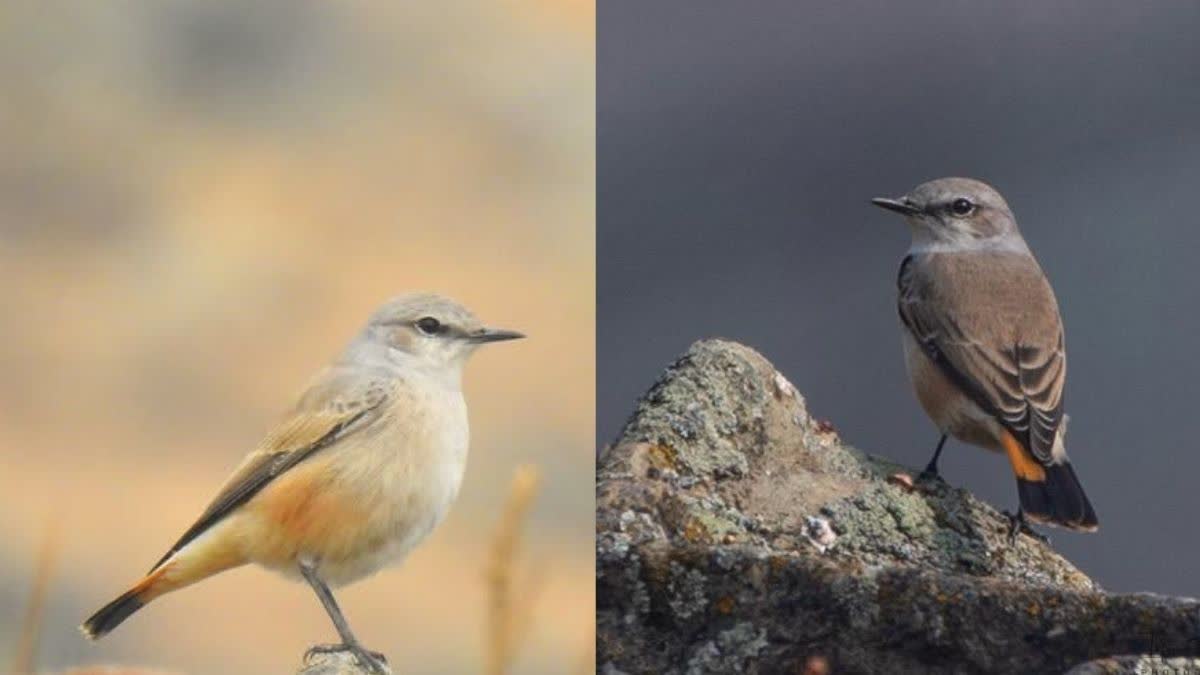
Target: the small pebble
pixel 819 532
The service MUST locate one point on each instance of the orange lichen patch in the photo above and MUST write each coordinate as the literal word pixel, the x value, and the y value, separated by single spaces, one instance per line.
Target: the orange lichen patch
pixel 1033 609
pixel 662 456
pixel 724 605
pixel 695 531
pixel 816 665
pixel 1023 464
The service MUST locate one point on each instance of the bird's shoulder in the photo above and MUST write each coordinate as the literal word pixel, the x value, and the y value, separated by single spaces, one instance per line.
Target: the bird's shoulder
pixel 1012 285
pixel 335 397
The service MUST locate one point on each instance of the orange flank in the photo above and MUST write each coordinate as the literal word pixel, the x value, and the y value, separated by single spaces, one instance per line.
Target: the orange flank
pixel 1023 464
pixel 302 511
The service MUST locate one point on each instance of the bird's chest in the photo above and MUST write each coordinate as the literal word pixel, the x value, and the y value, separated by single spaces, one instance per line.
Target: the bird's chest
pixel 406 471
pixel 425 456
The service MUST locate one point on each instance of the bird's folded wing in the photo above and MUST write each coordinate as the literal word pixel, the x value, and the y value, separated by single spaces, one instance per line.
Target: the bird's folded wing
pixel 335 405
pixel 1020 384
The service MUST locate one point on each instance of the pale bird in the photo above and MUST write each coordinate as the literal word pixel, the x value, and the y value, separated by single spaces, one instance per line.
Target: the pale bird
pixel 983 342
pixel 354 477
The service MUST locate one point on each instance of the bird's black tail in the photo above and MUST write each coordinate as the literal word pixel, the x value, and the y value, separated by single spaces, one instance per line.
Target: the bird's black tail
pixel 1057 500
pixel 111 615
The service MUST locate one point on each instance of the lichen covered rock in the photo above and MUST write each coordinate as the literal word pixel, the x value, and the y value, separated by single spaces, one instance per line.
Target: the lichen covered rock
pixel 736 533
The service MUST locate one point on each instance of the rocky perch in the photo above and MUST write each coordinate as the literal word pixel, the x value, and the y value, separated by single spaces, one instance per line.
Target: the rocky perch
pixel 735 533
pixel 334 663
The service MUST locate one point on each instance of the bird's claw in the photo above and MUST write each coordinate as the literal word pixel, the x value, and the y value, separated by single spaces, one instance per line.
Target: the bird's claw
pixel 372 661
pixel 930 476
pixel 1017 524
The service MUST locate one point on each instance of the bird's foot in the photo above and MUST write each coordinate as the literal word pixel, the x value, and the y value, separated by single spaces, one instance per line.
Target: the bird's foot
pixel 372 661
pixel 930 475
pixel 1017 525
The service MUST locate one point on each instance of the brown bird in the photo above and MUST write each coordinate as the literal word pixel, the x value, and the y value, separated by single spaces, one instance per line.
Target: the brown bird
pixel 983 342
pixel 352 479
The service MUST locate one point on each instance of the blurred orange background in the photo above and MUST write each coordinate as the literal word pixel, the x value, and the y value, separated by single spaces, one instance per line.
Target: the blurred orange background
pixel 200 202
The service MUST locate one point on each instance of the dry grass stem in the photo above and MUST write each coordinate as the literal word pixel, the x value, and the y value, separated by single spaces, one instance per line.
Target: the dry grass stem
pixel 25 659
pixel 509 608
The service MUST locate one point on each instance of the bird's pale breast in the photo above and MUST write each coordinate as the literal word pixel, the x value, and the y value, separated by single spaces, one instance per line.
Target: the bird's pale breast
pixel 368 500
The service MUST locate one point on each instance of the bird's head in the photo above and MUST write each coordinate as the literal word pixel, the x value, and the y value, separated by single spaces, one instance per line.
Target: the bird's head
pixel 954 212
pixel 431 330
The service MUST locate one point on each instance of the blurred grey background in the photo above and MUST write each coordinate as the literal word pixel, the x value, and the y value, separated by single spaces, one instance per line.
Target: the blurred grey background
pixel 739 144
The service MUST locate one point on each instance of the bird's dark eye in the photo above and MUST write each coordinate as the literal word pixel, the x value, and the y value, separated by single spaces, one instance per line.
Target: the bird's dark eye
pixel 962 207
pixel 429 325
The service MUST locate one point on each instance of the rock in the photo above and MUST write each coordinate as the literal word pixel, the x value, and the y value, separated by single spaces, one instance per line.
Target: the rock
pixel 738 534
pixel 333 663
pixel 1137 665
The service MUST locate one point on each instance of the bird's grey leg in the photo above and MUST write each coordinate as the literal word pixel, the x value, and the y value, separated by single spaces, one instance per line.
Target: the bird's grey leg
pixel 931 469
pixel 373 661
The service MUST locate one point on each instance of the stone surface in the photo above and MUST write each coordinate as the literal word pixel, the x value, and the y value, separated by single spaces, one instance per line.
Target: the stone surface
pixel 333 663
pixel 1138 665
pixel 738 534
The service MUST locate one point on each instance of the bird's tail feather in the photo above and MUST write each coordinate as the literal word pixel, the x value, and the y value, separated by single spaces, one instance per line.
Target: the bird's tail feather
pixel 1058 499
pixel 202 558
pixel 111 615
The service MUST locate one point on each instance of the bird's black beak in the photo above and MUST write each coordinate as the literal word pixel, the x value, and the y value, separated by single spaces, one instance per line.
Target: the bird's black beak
pixel 494 335
pixel 903 205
